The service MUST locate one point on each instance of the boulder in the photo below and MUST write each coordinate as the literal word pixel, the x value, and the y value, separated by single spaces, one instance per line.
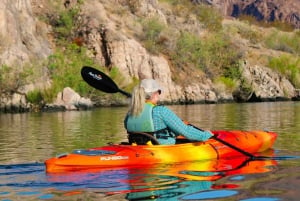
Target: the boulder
pixel 70 100
pixel 264 84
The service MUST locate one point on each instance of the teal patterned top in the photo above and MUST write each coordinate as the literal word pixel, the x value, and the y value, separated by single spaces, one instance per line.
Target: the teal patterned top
pixel 164 117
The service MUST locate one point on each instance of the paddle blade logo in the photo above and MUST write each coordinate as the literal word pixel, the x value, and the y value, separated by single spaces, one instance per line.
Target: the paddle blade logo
pixel 95 76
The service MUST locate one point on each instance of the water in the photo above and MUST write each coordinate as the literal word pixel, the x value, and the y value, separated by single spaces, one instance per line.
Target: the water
pixel 26 140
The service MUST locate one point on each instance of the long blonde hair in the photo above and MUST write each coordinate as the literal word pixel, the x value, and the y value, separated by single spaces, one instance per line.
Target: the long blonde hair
pixel 139 96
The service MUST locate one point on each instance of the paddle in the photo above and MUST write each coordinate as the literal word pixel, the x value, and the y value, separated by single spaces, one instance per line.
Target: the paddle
pixel 101 81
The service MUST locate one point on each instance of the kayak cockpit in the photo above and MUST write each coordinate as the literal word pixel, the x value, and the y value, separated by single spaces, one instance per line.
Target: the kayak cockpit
pixel 141 138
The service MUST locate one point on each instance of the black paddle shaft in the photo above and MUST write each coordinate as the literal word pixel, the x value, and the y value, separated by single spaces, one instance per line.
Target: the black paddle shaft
pixel 229 145
pixel 234 147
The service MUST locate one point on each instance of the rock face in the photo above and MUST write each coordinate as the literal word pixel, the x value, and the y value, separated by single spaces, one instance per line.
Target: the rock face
pixel 267 10
pixel 22 36
pixel 264 85
pixel 114 48
pixel 13 103
pixel 133 60
pixel 111 39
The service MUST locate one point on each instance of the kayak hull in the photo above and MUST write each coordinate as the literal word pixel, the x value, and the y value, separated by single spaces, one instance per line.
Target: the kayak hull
pixel 146 155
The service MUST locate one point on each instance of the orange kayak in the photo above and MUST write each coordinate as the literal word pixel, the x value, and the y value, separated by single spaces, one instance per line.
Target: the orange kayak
pixel 205 170
pixel 130 155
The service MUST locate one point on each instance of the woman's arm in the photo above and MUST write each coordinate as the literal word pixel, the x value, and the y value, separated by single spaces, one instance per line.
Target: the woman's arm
pixel 176 125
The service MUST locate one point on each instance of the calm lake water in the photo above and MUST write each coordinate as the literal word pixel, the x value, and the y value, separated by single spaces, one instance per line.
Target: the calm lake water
pixel 27 140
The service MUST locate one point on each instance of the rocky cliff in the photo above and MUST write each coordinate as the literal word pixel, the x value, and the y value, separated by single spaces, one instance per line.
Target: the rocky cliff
pixel 287 11
pixel 108 29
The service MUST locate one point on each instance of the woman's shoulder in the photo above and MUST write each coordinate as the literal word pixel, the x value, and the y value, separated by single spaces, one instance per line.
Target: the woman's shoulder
pixel 161 108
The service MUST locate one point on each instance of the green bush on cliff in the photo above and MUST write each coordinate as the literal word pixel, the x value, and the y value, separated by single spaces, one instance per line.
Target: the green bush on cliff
pixel 230 83
pixel 152 29
pixel 246 31
pixel 65 64
pixel 188 50
pixel 64 20
pixel 276 24
pixel 12 77
pixel 214 54
pixel 283 41
pixel 34 96
pixel 288 66
pixel 64 70
pixel 210 17
pixel 5 83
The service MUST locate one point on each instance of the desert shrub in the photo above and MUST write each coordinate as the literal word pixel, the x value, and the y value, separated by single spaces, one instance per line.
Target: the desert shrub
pixel 288 66
pixel 13 77
pixel 245 30
pixel 152 29
pixel 64 21
pixel 214 54
pixel 64 70
pixel 231 84
pixel 267 24
pixel 210 17
pixel 220 57
pixel 283 41
pixel 34 96
pixel 188 50
pixel 7 82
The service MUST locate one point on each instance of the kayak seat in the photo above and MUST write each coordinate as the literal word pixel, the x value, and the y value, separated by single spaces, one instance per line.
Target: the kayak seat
pixel 141 138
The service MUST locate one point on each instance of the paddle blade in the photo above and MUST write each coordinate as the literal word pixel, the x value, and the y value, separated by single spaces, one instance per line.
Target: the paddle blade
pixel 98 80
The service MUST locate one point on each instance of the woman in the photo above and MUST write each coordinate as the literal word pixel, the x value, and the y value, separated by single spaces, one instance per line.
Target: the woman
pixel 146 116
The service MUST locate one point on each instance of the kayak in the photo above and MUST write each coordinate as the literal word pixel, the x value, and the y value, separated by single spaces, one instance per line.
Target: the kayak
pixel 206 170
pixel 132 155
pixel 223 145
pixel 173 181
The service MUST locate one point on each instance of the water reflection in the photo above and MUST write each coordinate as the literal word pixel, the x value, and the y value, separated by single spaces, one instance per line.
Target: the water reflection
pixel 277 116
pixel 185 181
pixel 280 117
pixel 26 140
pixel 36 136
pixel 165 182
pixel 33 137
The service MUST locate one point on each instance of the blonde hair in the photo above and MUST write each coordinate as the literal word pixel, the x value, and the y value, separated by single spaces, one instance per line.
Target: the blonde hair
pixel 139 96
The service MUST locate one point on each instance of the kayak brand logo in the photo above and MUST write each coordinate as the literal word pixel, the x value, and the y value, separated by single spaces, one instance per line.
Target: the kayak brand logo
pixel 95 76
pixel 109 158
